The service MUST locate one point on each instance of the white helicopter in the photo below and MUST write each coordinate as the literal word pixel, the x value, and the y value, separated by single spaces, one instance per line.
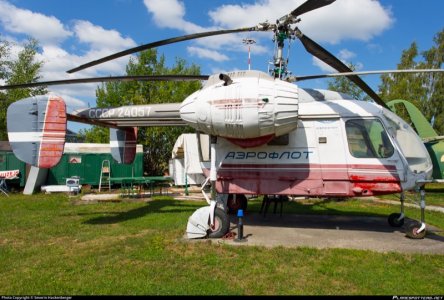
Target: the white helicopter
pixel 267 135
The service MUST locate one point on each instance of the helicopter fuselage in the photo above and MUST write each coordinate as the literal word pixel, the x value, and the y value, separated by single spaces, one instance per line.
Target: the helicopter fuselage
pixel 337 147
pixel 272 137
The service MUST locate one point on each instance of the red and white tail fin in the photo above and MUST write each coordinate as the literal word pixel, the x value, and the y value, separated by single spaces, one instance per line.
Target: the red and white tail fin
pixel 37 130
pixel 123 144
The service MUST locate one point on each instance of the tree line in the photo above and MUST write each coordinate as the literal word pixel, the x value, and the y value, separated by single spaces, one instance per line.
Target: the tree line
pixel 425 90
pixel 24 68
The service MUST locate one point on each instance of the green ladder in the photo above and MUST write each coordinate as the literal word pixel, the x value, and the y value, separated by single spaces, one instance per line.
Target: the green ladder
pixel 105 175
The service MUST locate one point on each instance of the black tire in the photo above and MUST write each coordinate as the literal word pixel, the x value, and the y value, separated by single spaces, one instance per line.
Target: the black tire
pixel 240 203
pixel 221 224
pixel 411 231
pixel 393 220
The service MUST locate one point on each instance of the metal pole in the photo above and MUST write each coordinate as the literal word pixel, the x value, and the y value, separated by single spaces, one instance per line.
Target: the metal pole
pixel 249 58
pixel 249 42
pixel 240 227
pixel 213 172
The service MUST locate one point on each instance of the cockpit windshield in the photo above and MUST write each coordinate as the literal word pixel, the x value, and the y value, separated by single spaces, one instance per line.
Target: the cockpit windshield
pixel 409 143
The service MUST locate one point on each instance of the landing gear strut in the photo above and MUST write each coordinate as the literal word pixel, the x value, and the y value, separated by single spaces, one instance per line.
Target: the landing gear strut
pixel 397 219
pixel 210 221
pixel 415 229
pixel 236 202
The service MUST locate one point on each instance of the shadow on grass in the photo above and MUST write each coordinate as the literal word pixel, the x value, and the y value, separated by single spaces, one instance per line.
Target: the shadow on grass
pixel 155 206
pixel 318 215
pixel 314 207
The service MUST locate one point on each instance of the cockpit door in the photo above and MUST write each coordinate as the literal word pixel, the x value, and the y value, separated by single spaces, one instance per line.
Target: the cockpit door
pixel 372 156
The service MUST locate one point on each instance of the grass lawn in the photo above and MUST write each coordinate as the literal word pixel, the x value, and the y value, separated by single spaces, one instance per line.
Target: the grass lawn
pixel 434 195
pixel 51 246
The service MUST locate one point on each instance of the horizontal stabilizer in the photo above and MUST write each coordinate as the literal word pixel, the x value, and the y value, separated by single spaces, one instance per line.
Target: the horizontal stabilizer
pixel 123 144
pixel 37 130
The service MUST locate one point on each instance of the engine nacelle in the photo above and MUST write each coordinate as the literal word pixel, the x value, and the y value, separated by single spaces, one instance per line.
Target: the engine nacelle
pixel 253 105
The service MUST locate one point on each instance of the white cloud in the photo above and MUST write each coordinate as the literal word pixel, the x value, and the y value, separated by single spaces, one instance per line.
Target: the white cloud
pixel 327 24
pixel 246 15
pixel 345 19
pixel 170 14
pixel 346 55
pixel 323 66
pixel 72 103
pixel 224 71
pixel 51 32
pixel 46 29
pixel 206 53
pixel 99 38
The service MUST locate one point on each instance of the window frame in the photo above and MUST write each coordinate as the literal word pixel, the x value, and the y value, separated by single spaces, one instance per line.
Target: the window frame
pixel 367 139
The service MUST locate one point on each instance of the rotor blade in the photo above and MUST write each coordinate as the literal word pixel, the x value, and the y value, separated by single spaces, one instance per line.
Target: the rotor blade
pixel 433 139
pixel 325 56
pixel 108 79
pixel 332 75
pixel 158 44
pixel 309 6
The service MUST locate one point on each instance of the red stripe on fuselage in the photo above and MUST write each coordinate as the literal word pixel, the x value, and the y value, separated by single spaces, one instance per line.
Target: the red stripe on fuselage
pixel 309 179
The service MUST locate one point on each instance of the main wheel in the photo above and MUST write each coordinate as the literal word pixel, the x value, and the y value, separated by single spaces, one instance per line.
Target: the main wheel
pixel 412 231
pixel 241 202
pixel 221 224
pixel 394 221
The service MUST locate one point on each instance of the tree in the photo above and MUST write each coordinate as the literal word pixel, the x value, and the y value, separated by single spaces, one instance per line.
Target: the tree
pixel 4 54
pixel 344 85
pixel 24 69
pixel 424 90
pixel 157 141
pixel 434 83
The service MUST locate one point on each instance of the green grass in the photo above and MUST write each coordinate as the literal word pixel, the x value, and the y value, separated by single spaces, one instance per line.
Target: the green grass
pixel 353 207
pixel 49 245
pixel 434 195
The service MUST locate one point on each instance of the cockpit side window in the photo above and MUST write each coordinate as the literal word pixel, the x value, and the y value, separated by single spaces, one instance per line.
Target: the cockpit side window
pixel 367 138
pixel 410 145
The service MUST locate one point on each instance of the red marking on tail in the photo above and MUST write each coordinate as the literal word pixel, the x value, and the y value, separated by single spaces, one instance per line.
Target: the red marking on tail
pixel 53 134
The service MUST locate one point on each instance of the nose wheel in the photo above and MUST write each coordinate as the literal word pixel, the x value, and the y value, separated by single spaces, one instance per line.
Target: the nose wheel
pixel 221 224
pixel 416 230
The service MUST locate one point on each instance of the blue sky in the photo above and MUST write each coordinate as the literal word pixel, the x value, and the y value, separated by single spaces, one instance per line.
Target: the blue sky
pixel 371 34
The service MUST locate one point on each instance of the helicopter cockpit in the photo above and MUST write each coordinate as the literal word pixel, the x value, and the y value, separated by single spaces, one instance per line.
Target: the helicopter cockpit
pixel 410 145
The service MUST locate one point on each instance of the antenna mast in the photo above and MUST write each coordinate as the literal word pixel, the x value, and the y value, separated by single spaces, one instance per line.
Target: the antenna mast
pixel 249 42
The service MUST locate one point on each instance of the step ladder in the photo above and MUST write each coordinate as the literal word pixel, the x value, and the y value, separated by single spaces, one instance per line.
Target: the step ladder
pixel 105 175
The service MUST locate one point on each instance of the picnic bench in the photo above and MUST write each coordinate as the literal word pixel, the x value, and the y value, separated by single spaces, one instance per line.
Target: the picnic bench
pixel 128 184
